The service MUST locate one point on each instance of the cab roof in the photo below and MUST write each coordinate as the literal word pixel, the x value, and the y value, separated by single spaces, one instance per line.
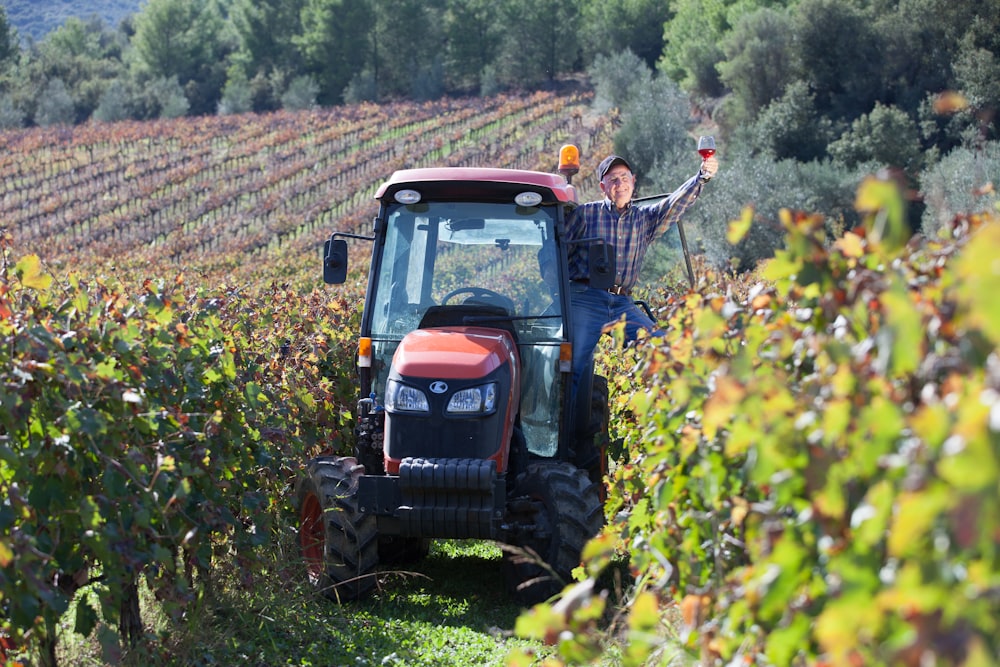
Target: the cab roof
pixel 477 183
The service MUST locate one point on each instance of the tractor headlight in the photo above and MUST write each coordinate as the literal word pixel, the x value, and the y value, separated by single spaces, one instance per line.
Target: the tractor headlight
pixel 400 397
pixel 474 400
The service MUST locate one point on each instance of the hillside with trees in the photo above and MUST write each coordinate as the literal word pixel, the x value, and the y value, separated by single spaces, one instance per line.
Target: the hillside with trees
pixel 34 19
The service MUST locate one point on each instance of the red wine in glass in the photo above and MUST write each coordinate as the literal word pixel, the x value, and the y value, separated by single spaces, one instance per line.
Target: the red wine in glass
pixel 706 147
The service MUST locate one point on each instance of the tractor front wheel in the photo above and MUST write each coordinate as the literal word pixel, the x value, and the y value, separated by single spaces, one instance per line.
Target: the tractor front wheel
pixel 338 543
pixel 563 508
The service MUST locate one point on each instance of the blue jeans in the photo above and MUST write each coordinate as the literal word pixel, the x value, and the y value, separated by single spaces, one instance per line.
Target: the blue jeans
pixel 593 309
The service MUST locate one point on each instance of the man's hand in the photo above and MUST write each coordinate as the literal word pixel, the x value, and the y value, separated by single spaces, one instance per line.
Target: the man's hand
pixel 709 166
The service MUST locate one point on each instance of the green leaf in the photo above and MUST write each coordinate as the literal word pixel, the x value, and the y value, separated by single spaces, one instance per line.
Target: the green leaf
pixel 6 554
pixel 90 513
pixel 598 552
pixel 256 396
pixel 912 591
pixel 739 228
pixel 780 585
pixel 831 500
pixel 645 614
pixel 784 643
pixel 106 369
pixel 29 272
pixel 782 267
pixel 880 422
pixel 978 284
pixel 973 466
pixel 540 622
pixel 86 617
pixel 843 622
pixel 916 512
pixel 881 202
pixel 163 556
pixel 931 423
pixel 905 325
pixel 183 489
pixel 870 519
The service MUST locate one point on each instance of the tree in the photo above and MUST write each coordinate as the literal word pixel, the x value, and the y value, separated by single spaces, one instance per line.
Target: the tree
pixel 267 54
pixel 636 25
pixel 617 79
pixel 692 37
pixel 886 136
pixel 185 39
pixel 473 33
pixel 977 71
pixel 334 43
pixel 406 49
pixel 55 106
pixel 544 44
pixel 301 94
pixel 924 39
pixel 955 185
pixel 759 62
pixel 85 55
pixel 11 117
pixel 114 103
pixel 267 31
pixel 839 54
pixel 791 127
pixel 236 96
pixel 654 130
pixel 8 41
pixel 168 98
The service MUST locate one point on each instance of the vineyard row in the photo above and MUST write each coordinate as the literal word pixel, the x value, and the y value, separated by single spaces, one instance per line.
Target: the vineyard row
pixel 259 184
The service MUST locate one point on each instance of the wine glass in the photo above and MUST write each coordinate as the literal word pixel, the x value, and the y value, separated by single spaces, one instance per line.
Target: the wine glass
pixel 706 147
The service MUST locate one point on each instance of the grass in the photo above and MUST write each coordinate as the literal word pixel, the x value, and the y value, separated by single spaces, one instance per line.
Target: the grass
pixel 450 609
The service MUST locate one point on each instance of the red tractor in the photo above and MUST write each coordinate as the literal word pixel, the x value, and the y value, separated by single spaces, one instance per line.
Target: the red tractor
pixel 465 427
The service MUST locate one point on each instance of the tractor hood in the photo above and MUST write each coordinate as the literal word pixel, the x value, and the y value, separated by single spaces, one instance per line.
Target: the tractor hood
pixel 452 392
pixel 465 353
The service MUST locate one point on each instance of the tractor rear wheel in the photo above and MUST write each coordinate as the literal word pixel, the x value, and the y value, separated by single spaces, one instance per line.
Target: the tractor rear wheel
pixel 563 507
pixel 397 550
pixel 338 543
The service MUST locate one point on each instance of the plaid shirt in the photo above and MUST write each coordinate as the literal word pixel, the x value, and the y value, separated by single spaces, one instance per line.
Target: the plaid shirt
pixel 630 234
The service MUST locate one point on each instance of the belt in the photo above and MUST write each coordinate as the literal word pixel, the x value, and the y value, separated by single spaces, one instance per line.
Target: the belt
pixel 620 290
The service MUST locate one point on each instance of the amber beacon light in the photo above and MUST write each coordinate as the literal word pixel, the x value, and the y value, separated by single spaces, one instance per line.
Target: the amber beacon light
pixel 569 161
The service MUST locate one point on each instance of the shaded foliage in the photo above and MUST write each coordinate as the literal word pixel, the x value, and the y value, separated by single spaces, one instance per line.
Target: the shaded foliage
pixel 759 63
pixel 633 25
pixel 791 127
pixel 964 180
pixel 886 136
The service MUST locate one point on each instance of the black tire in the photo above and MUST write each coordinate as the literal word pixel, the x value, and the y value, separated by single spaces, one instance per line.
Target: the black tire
pixel 395 550
pixel 564 506
pixel 338 543
pixel 592 452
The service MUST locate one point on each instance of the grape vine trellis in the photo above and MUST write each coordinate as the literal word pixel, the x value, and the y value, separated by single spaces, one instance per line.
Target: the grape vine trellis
pixel 195 189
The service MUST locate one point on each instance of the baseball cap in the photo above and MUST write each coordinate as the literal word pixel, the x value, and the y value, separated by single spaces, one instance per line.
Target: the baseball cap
pixel 609 162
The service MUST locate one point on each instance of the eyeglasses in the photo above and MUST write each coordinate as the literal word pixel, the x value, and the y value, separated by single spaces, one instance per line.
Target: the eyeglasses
pixel 624 179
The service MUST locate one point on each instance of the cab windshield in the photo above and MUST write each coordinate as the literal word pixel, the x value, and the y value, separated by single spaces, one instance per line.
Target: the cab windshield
pixel 495 261
pixel 499 255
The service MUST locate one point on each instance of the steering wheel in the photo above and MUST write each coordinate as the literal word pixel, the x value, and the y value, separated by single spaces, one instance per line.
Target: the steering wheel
pixel 481 295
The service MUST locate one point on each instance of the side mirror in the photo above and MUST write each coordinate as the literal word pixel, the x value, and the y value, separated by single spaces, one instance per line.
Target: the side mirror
pixel 601 260
pixel 335 261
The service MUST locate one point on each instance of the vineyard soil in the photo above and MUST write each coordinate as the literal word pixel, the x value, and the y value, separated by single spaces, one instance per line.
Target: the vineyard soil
pixel 448 609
